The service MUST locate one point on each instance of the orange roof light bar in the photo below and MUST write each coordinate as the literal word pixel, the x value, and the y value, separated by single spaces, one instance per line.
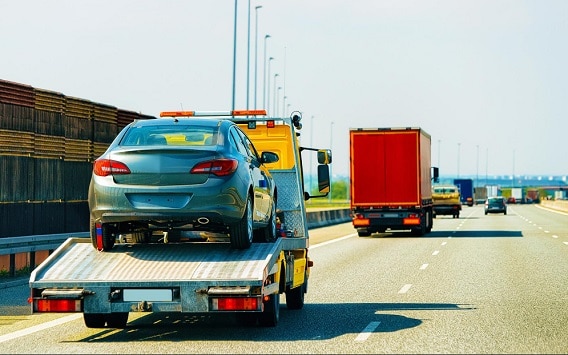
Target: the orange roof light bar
pixel 213 113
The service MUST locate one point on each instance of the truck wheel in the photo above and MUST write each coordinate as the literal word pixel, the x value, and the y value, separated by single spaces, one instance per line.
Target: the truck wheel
pixel 117 320
pixel 94 320
pixel 241 232
pixel 271 314
pixel 363 233
pixel 107 236
pixel 295 296
pixel 268 234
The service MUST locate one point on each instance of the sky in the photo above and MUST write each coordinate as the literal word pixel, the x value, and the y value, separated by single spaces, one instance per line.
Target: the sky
pixel 486 79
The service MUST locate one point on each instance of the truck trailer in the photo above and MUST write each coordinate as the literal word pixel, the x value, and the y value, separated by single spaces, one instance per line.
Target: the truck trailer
pixel 466 190
pixel 391 180
pixel 202 275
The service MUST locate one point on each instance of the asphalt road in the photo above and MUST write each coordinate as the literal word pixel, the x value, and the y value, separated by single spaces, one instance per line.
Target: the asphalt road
pixel 477 284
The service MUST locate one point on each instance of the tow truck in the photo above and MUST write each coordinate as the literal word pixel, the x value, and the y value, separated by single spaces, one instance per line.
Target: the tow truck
pixel 198 277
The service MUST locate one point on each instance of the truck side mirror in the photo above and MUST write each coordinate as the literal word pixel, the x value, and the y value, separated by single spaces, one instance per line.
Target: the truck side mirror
pixel 435 173
pixel 324 156
pixel 323 179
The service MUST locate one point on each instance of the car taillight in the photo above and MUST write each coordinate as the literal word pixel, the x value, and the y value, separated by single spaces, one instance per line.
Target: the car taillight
pixel 105 167
pixel 219 167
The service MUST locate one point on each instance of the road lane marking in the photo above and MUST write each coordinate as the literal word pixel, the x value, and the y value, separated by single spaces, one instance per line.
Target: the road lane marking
pixel 444 243
pixel 332 241
pixel 435 252
pixel 405 288
pixel 555 236
pixel 424 266
pixel 40 327
pixel 364 335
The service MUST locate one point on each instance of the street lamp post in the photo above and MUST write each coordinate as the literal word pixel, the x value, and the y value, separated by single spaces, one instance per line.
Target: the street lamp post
pixel 268 87
pixel 459 144
pixel 255 51
pixel 234 54
pixel 274 99
pixel 248 54
pixel 264 78
pixel 331 148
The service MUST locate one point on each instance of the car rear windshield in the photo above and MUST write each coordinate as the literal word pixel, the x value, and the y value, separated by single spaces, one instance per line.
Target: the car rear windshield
pixel 181 135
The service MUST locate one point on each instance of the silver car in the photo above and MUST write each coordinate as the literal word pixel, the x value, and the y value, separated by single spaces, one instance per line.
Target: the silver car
pixel 169 175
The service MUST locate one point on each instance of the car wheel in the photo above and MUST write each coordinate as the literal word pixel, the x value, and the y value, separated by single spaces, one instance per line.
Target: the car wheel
pixel 363 233
pixel 268 234
pixel 107 236
pixel 241 233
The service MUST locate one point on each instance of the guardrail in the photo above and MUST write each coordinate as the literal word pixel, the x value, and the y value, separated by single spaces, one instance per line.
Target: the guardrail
pixel 34 243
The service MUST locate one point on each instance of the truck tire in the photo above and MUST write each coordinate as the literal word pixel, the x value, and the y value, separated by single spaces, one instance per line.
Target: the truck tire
pixel 241 233
pixel 268 234
pixel 271 314
pixel 295 296
pixel 363 233
pixel 94 320
pixel 117 320
pixel 108 236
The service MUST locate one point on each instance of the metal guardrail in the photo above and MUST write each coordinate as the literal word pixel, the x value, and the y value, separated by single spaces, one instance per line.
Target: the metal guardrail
pixel 31 244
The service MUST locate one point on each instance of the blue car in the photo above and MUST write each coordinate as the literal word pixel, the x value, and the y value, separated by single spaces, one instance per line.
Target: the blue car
pixel 161 177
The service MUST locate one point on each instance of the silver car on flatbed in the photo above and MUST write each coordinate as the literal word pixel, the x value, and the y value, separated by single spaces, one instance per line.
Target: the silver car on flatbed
pixel 162 177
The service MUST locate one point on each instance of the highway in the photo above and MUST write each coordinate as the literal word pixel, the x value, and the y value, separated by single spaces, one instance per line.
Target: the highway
pixel 478 284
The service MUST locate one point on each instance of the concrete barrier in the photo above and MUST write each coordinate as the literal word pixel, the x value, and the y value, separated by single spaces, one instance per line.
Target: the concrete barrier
pixel 559 205
pixel 327 217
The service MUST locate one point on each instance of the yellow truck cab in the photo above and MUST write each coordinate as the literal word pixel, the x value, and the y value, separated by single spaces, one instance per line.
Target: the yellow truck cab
pixel 446 200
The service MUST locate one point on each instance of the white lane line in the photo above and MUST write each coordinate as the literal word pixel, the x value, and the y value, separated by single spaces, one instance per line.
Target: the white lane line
pixel 405 288
pixel 332 241
pixel 565 243
pixel 444 243
pixel 424 266
pixel 435 252
pixel 554 236
pixel 40 327
pixel 364 335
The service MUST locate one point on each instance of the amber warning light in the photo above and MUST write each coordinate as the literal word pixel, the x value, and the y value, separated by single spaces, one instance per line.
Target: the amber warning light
pixel 212 113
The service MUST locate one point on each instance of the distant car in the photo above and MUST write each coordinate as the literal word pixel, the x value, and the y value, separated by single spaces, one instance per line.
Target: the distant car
pixel 172 175
pixel 495 205
pixel 511 200
pixel 469 201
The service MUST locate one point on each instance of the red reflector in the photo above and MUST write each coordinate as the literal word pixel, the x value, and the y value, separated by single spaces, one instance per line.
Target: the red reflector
pixel 57 305
pixel 411 221
pixel 235 304
pixel 270 124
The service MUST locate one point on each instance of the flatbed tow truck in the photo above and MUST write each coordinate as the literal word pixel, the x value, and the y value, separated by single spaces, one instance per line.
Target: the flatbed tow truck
pixel 200 276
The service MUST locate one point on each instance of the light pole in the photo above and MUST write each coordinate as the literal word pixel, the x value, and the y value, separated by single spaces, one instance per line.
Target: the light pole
pixel 274 99
pixel 268 87
pixel 255 51
pixel 264 78
pixel 234 54
pixel 439 142
pixel 477 169
pixel 459 144
pixel 330 148
pixel 284 104
pixel 248 54
pixel 311 155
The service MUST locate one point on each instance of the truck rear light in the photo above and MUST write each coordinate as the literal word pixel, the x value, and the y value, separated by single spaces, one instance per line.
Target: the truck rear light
pixel 411 221
pixel 361 222
pixel 236 304
pixel 57 305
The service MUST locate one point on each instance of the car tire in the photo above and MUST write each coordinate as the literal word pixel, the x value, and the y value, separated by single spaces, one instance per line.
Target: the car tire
pixel 268 234
pixel 108 236
pixel 241 233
